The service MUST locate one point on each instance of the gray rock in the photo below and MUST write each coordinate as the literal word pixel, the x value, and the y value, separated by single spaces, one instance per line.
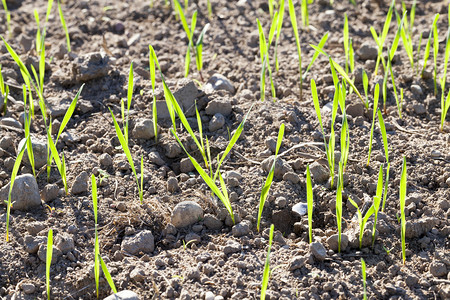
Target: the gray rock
pixel 172 150
pixel 318 251
pixel 80 184
pixel 65 243
pixel 292 177
pixel 232 174
pixel 137 275
pixel 185 95
pixel 240 229
pixel 420 227
pixel 355 110
pixel 319 173
pixel 57 106
pixel 172 185
pixel 85 106
pixel 123 295
pixel 10 122
pixel 221 106
pixel 297 262
pixel 333 244
pixel 42 253
pixel 142 241
pixel 34 228
pixel 419 109
pixel 416 90
pixel 143 129
pixel 209 296
pixel 212 223
pixel 25 193
pixel 90 66
pixel 232 247
pixel 368 51
pixel 155 158
pixel 134 39
pixel 7 142
pixel 217 122
pixel 195 238
pixel 39 152
pixel 219 82
pixel 186 213
pixel 438 269
pixel 105 160
pixel 186 165
pixel 281 166
pixel 300 208
pixel 32 243
pixel 50 192
pixel 28 288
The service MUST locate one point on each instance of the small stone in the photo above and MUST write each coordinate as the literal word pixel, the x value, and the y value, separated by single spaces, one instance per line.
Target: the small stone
pixel 292 177
pixel 6 142
pixel 50 192
pixel 172 185
pixel 186 165
pixel 281 166
pixel 436 154
pixel 155 158
pixel 65 243
pixel 319 173
pixel 281 202
pixel 34 228
pixel 300 208
pixel 438 269
pixel 142 241
pixel 11 122
pixel 39 152
pixel 232 247
pixel 172 150
pixel 28 288
pixel 90 66
pixel 219 82
pixel 193 238
pixel 416 90
pixel 186 94
pixel 419 109
pixel 217 122
pixel 318 251
pixel 42 253
pixel 105 160
pixel 333 244
pixel 123 295
pixel 368 51
pixel 297 262
pixel 143 129
pixel 137 275
pixel 212 223
pixel 186 213
pixel 240 229
pixel 32 244
pixel 80 184
pixel 221 106
pixel 411 280
pixel 355 110
pixel 25 193
pixel 210 296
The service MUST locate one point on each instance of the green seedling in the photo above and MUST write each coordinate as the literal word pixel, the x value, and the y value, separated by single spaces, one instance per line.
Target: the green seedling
pixel 383 135
pixel 406 39
pixel 435 54
pixel 305 14
pixel 386 186
pixel 365 80
pixel 428 45
pixel 125 116
pixel 48 261
pixel 346 44
pixel 363 272
pixel 152 64
pixel 293 17
pixel 13 178
pixel 380 40
pixel 398 101
pixel 266 188
pixel 64 26
pixel 40 34
pixel 264 46
pixel 402 196
pixel 339 204
pixel 27 125
pixel 8 17
pixel 445 102
pixel 321 44
pixel 279 26
pixel 266 272
pixel 210 12
pixel 271 5
pixel 362 220
pixel 4 91
pixel 377 202
pixel 445 105
pixel 199 51
pixel 309 200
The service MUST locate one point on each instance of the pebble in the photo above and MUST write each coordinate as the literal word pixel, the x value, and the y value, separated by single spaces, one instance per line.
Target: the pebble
pixel 90 66
pixel 39 152
pixel 195 238
pixel 212 223
pixel 137 275
pixel 143 129
pixel 319 173
pixel 28 288
pixel 186 213
pixel 221 106
pixel 416 89
pixel 419 109
pixel 6 143
pixel 281 202
pixel 292 177
pixel 209 296
pixel 438 269
pixel 356 109
pixel 368 51
pixel 49 192
pixel 155 158
pixel 142 241
pixel 105 160
pixel 300 208
pixel 123 295
pixel 219 82
pixel 186 165
pixel 31 243
pixel 42 253
pixel 318 251
pixel 65 243
pixel 25 193
pixel 240 229
pixel 11 122
pixel 172 185
pixel 281 166
pixel 34 228
pixel 232 247
pixel 297 262
pixel 217 122
pixel 332 242
pixel 80 184
pixel 172 149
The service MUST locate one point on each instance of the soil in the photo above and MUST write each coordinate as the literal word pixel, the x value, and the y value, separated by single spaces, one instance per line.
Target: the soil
pixel 223 261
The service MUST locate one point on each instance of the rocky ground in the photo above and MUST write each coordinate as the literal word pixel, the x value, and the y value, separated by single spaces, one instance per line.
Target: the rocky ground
pixel 180 243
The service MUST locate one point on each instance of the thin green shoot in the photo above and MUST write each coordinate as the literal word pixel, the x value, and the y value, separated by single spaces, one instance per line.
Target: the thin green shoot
pixel 309 201
pixel 346 43
pixel 264 46
pixel 428 45
pixel 377 201
pixel 435 54
pixel 266 272
pixel 305 14
pixel 152 64
pixel 321 44
pixel 362 220
pixel 403 182
pixel 107 275
pixel 382 38
pixel 199 51
pixel 293 17
pixel 8 17
pixel 130 90
pixel 339 205
pixel 278 33
pixel 210 12
pixel 63 23
pixel 271 5
pixel 394 87
pixel 96 244
pixel 363 271
pixel 48 261
pixel 27 125
pixel 407 40
pixel 383 135
pixel 365 80
pixel 445 102
pixel 266 188
pixel 386 186
pixel 4 91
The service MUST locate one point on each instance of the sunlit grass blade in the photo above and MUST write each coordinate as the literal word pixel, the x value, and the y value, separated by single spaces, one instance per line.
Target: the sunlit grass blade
pixel 48 261
pixel 346 42
pixel 297 43
pixel 435 54
pixel 199 50
pixel 383 135
pixel 309 200
pixel 8 17
pixel 321 44
pixel 339 206
pixel 152 63
pixel 63 23
pixel 377 201
pixel 107 275
pixel 386 186
pixel 363 272
pixel 278 33
pixel 268 183
pixel 402 196
pixel 305 14
pixel 428 45
pixel 266 272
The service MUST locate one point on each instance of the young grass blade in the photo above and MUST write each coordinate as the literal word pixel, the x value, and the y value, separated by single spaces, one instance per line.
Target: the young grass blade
pixel 339 206
pixel 63 23
pixel 435 53
pixel 386 186
pixel 297 42
pixel 402 208
pixel 363 271
pixel 199 50
pixel 346 42
pixel 268 183
pixel 309 200
pixel 27 125
pixel 69 113
pixel 316 54
pixel 8 17
pixel 48 260
pixel 384 135
pixel 152 63
pixel 365 80
pixel 279 26
pixel 266 272
pixel 305 15
pixel 96 244
pixel 397 100
pixel 377 201
pixel 107 275
pixel 428 45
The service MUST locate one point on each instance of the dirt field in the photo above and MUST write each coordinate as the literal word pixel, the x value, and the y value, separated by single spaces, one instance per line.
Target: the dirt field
pixel 144 251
